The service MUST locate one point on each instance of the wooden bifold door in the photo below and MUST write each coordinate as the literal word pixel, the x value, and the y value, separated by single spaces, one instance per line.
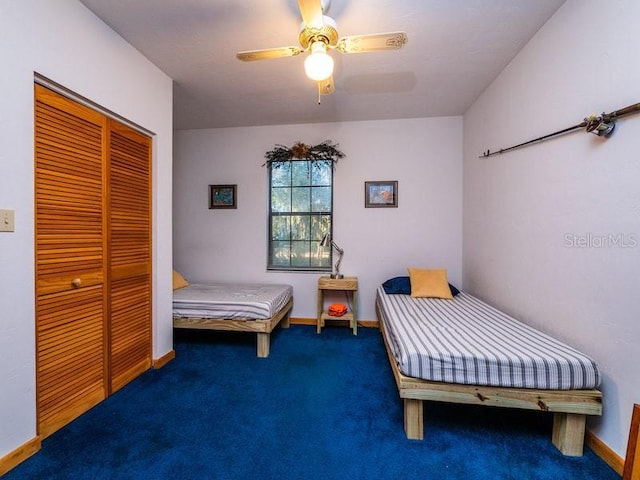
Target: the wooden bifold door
pixel 93 257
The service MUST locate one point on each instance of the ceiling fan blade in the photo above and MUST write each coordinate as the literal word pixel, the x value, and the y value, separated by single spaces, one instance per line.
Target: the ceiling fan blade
pixel 311 11
pixel 268 53
pixel 372 43
pixel 326 87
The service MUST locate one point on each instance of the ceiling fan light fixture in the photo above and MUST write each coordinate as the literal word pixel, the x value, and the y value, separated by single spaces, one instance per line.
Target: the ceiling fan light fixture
pixel 318 65
pixel 318 34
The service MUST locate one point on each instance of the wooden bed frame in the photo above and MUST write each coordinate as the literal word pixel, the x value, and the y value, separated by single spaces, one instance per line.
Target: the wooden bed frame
pixel 262 327
pixel 570 407
pixel 632 460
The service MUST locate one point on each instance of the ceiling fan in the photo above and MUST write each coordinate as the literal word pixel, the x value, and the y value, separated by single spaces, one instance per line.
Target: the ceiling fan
pixel 318 34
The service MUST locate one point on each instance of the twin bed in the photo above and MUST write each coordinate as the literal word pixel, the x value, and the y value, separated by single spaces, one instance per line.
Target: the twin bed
pixel 457 350
pixel 255 308
pixel 465 351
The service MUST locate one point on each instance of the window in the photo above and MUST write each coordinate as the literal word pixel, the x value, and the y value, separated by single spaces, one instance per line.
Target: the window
pixel 300 214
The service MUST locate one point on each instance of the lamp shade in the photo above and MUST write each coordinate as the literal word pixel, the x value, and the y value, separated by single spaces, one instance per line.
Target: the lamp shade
pixel 318 65
pixel 326 240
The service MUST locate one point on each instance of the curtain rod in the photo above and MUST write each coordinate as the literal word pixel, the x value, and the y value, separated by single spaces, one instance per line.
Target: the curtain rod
pixel 601 125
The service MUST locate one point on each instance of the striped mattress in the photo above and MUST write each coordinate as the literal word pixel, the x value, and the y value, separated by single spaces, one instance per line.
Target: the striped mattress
pixel 466 341
pixel 231 301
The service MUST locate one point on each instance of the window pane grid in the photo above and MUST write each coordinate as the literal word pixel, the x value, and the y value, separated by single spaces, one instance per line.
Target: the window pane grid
pixel 300 214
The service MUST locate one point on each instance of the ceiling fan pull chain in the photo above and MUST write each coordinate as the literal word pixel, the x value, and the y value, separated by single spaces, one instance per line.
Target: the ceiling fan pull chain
pixel 319 93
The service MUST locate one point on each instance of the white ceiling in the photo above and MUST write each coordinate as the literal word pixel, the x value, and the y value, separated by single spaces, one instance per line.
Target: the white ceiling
pixel 456 48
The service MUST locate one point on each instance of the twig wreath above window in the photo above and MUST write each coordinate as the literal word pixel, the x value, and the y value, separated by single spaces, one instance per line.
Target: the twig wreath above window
pixel 323 152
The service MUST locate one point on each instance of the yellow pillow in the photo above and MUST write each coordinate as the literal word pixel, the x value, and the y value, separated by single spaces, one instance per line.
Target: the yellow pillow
pixel 429 283
pixel 179 281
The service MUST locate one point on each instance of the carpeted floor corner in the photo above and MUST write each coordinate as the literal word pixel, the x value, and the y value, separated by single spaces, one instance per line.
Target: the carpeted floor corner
pixel 319 407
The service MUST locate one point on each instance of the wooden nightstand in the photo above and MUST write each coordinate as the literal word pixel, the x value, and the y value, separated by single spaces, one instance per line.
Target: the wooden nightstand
pixel 346 284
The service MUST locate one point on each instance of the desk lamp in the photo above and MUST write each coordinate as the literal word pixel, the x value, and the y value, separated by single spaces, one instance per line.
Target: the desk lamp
pixel 325 242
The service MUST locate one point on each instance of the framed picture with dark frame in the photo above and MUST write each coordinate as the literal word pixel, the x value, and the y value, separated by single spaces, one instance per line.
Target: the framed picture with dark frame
pixel 381 194
pixel 222 196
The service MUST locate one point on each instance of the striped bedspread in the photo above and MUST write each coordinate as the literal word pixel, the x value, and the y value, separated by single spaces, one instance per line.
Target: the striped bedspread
pixel 231 301
pixel 466 341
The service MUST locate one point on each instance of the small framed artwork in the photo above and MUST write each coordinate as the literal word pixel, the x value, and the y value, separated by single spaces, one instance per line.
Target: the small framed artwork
pixel 381 194
pixel 222 196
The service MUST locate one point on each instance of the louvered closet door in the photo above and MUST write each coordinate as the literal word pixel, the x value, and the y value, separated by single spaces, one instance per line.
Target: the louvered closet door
pixel 129 253
pixel 70 259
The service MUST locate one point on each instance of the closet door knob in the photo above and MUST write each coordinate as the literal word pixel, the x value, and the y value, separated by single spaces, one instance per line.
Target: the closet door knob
pixel 76 283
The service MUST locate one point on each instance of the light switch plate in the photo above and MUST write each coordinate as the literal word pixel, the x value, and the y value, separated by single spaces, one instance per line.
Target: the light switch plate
pixel 7 220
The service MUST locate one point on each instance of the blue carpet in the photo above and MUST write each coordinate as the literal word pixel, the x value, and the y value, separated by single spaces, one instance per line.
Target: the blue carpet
pixel 320 407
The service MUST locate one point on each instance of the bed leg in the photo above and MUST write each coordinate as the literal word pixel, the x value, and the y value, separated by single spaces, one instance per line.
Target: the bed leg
pixel 568 433
pixel 286 321
pixel 263 345
pixel 413 419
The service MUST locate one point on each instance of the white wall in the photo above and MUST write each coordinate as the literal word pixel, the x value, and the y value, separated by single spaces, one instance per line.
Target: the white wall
pixel 424 155
pixel 63 41
pixel 526 213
